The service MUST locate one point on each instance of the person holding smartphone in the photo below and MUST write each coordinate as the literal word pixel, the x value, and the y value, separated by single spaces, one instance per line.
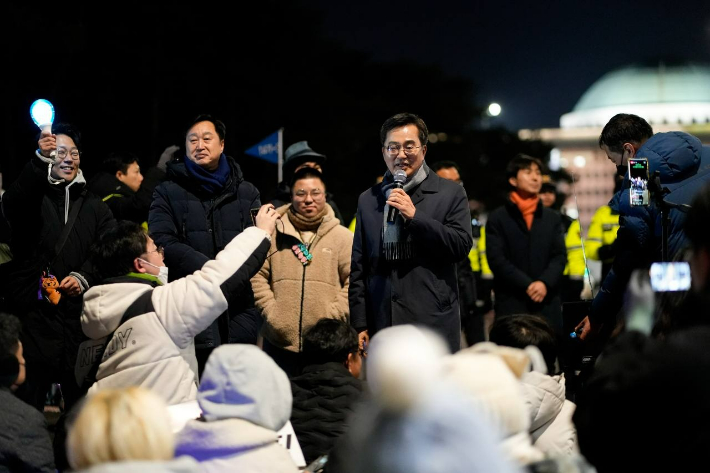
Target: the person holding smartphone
pixel 680 159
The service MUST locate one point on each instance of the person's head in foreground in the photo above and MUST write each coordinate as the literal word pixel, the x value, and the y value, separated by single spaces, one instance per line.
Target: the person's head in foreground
pixel 120 425
pixel 12 363
pixel 416 421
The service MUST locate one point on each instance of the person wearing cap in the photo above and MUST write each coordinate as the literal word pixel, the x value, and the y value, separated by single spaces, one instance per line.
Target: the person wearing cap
pixel 296 157
pixel 403 266
pixel 202 206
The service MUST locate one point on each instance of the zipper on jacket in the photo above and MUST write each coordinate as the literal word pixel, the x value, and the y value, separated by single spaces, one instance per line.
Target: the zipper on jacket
pixel 303 296
pixel 300 319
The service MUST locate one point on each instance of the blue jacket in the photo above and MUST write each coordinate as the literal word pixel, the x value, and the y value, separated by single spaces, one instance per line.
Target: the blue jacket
pixel 684 166
pixel 193 227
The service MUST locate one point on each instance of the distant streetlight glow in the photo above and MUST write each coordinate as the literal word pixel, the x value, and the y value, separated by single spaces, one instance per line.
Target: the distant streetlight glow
pixel 494 109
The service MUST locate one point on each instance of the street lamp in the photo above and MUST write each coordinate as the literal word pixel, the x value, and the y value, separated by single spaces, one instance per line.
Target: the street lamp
pixel 494 109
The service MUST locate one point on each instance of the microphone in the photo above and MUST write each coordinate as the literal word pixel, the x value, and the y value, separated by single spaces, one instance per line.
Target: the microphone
pixel 399 179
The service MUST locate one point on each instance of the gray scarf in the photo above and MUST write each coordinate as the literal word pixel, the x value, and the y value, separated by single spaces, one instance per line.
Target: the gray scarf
pixel 396 240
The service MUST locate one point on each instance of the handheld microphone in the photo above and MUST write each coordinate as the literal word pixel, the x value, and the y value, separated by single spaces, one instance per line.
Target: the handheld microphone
pixel 400 178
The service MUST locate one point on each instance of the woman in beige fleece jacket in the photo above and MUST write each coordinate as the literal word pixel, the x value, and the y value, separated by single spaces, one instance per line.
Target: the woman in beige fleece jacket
pixel 306 277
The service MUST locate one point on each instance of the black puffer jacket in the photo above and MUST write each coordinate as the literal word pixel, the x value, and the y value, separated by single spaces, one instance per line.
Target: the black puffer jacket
pixel 35 211
pixel 193 227
pixel 123 201
pixel 323 397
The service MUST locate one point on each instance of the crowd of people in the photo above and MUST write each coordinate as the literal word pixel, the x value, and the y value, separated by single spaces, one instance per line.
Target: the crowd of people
pixel 135 294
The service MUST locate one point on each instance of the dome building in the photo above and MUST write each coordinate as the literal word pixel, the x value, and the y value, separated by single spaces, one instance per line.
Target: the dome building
pixel 669 97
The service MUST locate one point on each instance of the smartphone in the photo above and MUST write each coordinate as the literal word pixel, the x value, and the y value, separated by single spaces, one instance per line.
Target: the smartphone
pixel 253 213
pixel 666 277
pixel 317 465
pixel 638 174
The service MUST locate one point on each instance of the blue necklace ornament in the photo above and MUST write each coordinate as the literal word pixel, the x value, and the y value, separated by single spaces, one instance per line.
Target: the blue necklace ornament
pixel 302 253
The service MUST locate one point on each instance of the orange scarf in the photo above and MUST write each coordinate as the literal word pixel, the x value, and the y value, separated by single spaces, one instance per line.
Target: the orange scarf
pixel 526 205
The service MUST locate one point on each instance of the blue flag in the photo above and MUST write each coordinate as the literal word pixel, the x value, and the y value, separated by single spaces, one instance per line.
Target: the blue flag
pixel 268 149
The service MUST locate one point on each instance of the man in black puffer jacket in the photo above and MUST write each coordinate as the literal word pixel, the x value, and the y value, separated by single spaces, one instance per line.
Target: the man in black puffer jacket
pixel 204 204
pixel 326 393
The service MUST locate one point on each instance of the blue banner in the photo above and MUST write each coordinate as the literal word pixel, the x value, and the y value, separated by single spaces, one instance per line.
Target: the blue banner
pixel 268 149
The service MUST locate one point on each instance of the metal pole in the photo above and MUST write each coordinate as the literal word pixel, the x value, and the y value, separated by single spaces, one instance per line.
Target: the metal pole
pixel 281 154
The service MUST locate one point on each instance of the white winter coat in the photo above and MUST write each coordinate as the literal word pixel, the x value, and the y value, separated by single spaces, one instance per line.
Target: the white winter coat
pixel 149 350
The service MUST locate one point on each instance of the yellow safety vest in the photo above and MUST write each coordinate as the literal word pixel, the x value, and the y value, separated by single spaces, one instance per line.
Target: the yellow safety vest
pixel 602 231
pixel 575 256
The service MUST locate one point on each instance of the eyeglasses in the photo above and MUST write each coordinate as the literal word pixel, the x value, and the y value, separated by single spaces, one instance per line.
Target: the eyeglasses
pixel 62 153
pixel 316 194
pixel 158 249
pixel 409 150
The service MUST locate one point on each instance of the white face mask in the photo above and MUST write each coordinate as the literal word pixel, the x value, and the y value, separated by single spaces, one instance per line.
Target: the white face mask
pixel 162 271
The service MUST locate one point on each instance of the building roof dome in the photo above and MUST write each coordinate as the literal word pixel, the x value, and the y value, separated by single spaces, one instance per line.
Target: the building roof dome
pixel 662 94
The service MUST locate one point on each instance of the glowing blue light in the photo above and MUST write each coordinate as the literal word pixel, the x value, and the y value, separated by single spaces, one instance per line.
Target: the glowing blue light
pixel 42 112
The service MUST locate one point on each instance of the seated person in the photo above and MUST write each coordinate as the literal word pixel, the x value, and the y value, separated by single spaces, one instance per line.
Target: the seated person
pixel 124 430
pixel 551 413
pixel 150 323
pixel 326 393
pixel 245 400
pixel 24 442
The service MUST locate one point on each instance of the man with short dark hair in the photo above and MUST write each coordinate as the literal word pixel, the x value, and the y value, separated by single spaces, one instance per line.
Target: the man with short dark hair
pixel 682 163
pixel 204 204
pixel 150 323
pixel 403 268
pixel 54 220
pixel 126 190
pixel 326 393
pixel 526 247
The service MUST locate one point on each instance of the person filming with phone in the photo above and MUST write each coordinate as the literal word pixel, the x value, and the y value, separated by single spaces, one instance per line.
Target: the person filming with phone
pixel 682 164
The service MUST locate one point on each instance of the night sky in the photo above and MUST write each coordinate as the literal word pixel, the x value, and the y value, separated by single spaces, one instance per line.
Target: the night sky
pixel 535 58
pixel 131 76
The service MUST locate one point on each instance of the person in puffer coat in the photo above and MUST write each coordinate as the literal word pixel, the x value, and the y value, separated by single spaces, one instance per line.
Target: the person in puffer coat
pixel 152 323
pixel 684 167
pixel 245 400
pixel 194 214
pixel 327 392
pixel 306 276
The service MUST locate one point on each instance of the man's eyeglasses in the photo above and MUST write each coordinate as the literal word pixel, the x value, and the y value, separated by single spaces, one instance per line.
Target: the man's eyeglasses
pixel 409 150
pixel 158 249
pixel 316 194
pixel 62 153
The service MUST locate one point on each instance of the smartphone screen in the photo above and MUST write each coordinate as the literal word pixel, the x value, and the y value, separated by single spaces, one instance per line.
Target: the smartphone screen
pixel 638 174
pixel 666 277
pixel 253 213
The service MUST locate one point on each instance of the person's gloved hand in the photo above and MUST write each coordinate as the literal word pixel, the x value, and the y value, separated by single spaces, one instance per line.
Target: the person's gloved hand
pixel 166 156
pixel 639 303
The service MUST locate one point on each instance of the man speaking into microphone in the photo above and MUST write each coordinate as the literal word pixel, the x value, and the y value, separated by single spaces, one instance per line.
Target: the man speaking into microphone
pixel 411 230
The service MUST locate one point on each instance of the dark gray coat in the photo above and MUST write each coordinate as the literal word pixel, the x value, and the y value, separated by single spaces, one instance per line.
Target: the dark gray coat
pixel 24 440
pixel 423 290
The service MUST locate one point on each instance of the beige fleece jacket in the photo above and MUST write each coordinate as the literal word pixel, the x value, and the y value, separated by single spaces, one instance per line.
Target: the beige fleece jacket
pixel 293 297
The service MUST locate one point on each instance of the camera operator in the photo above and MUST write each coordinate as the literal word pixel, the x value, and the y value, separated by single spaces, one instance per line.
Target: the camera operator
pixel 679 158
